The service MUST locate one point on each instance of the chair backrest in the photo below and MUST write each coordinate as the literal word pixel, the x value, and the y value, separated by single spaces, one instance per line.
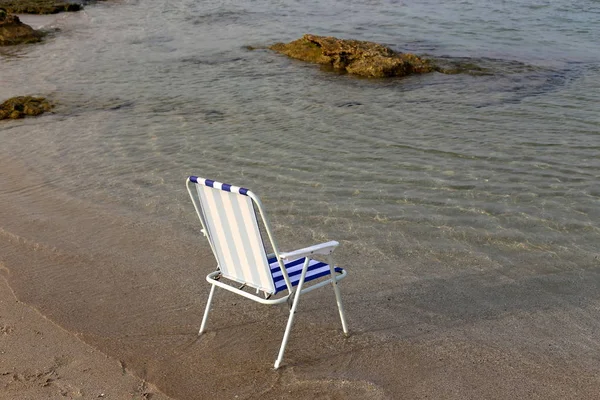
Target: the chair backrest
pixel 229 220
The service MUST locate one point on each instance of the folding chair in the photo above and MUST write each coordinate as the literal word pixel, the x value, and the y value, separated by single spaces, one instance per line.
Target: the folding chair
pixel 229 221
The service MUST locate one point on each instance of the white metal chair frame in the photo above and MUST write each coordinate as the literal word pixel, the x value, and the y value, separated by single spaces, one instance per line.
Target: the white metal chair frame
pixel 324 249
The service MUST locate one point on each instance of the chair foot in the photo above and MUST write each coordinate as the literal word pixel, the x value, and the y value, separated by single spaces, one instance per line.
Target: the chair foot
pixel 338 297
pixel 288 327
pixel 208 303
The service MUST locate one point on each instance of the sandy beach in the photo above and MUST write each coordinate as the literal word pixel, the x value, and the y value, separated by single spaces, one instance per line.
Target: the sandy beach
pixel 40 360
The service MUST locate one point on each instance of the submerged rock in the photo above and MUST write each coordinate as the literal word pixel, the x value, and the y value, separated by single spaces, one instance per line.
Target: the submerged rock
pixel 22 106
pixel 13 31
pixel 354 56
pixel 39 6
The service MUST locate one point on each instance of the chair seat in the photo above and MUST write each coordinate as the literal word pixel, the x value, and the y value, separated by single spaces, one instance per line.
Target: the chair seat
pixel 316 269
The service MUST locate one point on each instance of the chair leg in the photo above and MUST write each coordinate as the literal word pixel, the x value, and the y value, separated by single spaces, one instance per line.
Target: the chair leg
pixel 210 297
pixel 338 297
pixel 288 328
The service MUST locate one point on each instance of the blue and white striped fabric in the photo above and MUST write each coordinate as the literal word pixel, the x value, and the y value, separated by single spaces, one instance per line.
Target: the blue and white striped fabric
pixel 230 221
pixel 316 269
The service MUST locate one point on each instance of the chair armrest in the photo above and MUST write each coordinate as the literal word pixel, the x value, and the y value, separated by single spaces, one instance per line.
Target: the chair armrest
pixel 323 248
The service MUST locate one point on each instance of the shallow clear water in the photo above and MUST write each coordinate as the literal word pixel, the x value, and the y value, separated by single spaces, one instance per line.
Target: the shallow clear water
pixel 422 177
pixel 151 91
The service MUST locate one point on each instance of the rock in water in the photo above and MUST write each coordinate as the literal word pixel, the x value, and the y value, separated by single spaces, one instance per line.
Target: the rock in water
pixel 354 56
pixel 13 31
pixel 39 6
pixel 19 107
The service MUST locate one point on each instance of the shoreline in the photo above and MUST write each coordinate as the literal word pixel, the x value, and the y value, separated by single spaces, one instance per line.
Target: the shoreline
pixel 141 310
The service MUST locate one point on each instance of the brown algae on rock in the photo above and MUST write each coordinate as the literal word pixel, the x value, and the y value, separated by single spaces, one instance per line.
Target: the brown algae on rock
pixel 22 106
pixel 13 31
pixel 355 57
pixel 370 59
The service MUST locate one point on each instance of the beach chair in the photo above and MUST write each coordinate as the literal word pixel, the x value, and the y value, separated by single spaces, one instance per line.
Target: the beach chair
pixel 228 215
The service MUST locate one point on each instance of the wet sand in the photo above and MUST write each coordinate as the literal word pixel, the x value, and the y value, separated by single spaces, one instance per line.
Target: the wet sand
pixel 40 360
pixel 133 290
